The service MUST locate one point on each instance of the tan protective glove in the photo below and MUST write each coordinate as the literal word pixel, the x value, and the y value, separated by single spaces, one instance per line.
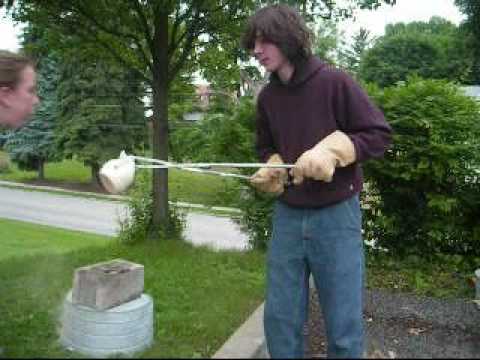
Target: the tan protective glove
pixel 319 162
pixel 270 180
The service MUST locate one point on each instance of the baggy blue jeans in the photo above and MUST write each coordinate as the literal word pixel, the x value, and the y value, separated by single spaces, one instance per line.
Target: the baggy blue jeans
pixel 327 243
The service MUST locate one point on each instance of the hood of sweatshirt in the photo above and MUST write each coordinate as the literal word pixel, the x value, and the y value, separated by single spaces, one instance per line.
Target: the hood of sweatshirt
pixel 301 74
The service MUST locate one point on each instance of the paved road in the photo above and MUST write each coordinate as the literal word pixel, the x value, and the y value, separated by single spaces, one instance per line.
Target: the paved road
pixel 102 217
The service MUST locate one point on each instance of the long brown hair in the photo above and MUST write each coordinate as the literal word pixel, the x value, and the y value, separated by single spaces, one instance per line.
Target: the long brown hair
pixel 283 26
pixel 11 67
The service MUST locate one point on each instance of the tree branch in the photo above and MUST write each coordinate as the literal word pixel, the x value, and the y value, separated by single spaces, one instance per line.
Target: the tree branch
pixel 144 23
pixel 178 20
pixel 187 48
pixel 89 17
pixel 114 53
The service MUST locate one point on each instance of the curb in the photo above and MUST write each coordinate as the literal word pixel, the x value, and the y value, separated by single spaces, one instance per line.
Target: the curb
pixel 12 184
pixel 248 342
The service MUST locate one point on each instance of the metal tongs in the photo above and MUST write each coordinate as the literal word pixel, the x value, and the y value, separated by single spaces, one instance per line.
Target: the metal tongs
pixel 118 174
pixel 206 167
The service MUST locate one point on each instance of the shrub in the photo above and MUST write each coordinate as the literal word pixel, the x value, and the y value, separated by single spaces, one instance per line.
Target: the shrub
pixel 138 226
pixel 256 219
pixel 219 137
pixel 425 195
pixel 229 137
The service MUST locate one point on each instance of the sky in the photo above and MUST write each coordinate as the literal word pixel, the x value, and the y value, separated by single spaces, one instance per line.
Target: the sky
pixel 8 33
pixel 403 11
pixel 375 21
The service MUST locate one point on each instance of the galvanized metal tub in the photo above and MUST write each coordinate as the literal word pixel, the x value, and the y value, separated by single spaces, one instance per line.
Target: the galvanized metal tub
pixel 122 330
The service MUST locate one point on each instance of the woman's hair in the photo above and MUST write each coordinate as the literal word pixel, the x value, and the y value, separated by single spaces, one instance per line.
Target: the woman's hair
pixel 11 67
pixel 283 26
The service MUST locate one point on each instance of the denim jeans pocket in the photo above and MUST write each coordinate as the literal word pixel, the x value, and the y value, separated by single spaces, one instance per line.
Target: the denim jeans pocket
pixel 344 216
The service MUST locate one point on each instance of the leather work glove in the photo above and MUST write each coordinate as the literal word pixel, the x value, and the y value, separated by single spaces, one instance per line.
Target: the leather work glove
pixel 270 180
pixel 319 162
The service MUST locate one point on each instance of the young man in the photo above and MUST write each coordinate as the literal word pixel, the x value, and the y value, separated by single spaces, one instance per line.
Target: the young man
pixel 18 96
pixel 318 118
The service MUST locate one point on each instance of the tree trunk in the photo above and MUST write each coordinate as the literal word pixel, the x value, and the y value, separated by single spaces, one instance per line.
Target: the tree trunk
pixel 160 121
pixel 476 65
pixel 41 169
pixel 94 178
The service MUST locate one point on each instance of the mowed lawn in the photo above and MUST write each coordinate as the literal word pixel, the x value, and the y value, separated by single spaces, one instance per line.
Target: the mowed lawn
pixel 23 239
pixel 66 170
pixel 183 185
pixel 200 296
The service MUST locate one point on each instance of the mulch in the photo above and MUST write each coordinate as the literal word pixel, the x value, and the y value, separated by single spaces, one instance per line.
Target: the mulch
pixel 400 325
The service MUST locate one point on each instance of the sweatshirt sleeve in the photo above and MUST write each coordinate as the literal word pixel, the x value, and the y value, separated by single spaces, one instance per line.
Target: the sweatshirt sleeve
pixel 264 141
pixel 361 120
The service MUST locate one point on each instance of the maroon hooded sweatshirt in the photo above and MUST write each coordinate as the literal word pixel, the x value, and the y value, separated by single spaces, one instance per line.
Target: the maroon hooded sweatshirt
pixel 294 117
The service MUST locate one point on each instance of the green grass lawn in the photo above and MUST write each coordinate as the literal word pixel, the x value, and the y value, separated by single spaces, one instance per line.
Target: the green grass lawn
pixel 184 186
pixel 66 170
pixel 203 189
pixel 24 239
pixel 200 296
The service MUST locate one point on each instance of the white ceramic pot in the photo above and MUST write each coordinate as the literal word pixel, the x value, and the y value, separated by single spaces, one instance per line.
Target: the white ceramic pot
pixel 117 175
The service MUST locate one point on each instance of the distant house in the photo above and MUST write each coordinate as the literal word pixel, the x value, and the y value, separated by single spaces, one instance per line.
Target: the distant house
pixel 203 99
pixel 193 116
pixel 203 93
pixel 473 91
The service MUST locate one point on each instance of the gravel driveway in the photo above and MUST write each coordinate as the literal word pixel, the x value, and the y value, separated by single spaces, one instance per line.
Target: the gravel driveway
pixel 405 326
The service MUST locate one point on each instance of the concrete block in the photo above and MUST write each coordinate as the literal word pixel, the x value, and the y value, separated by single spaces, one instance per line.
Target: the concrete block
pixel 104 285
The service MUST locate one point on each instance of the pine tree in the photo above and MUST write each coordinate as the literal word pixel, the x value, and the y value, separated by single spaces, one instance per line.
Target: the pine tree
pixel 100 112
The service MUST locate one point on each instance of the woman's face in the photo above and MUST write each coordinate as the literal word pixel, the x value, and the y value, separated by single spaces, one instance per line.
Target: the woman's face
pixel 19 102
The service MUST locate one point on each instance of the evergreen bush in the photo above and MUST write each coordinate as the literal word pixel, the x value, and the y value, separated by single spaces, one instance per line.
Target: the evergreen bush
pixel 424 195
